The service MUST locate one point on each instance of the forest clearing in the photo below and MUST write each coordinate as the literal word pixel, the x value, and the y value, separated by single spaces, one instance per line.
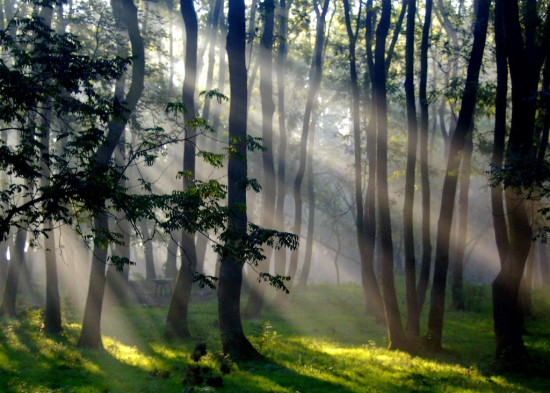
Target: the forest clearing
pixel 304 352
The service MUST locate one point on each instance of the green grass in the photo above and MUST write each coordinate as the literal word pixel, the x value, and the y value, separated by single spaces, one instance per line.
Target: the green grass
pixel 322 343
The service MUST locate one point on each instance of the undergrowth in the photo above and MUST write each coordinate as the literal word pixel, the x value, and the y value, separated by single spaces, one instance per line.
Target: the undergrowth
pixel 322 342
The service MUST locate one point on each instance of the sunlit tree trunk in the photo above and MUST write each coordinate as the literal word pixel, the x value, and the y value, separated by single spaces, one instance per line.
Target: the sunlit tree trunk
pixel 9 298
pixel 125 13
pixel 234 342
pixel 464 125
pixel 177 320
pixel 315 73
pixel 280 255
pixel 212 33
pixel 457 285
pixel 256 297
pixel 304 275
pixel 117 281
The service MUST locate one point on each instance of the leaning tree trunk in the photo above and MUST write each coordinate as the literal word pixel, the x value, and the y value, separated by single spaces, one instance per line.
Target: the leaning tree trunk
pixel 464 125
pixel 126 13
pixel 177 320
pixel 315 73
pixel 234 342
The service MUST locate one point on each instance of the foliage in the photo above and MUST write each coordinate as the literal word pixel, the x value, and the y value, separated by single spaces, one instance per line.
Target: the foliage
pixel 44 74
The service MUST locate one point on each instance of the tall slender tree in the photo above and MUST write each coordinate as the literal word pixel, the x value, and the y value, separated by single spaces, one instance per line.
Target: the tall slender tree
pixel 396 333
pixel 234 342
pixel 177 319
pixel 526 40
pixel 465 118
pixel 269 190
pixel 424 169
pixel 413 322
pixel 315 73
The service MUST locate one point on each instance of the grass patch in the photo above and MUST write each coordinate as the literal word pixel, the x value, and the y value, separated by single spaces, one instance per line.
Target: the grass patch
pixel 321 343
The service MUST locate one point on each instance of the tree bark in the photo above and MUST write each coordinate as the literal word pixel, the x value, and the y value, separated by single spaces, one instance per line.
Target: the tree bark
pixel 464 125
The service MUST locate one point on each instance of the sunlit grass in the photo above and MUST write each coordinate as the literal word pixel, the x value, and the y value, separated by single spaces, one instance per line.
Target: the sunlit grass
pixel 308 348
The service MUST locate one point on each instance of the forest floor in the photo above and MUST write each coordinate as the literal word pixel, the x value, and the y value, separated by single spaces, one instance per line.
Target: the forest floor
pixel 322 342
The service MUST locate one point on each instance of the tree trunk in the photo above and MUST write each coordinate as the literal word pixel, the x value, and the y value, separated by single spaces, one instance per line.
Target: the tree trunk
pixel 373 298
pixel 90 336
pixel 497 159
pixel 315 73
pixel 413 317
pixel 457 299
pixel 170 266
pixel 280 255
pixel 396 333
pixel 269 191
pixel 9 299
pixel 234 342
pixel 425 266
pixel 464 125
pixel 177 320
pixel 150 273
pixel 304 275
pixel 213 21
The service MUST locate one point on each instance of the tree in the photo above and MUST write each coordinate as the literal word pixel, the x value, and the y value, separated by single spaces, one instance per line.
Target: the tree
pixel 315 73
pixel 464 125
pixel 424 169
pixel 280 257
pixel 396 333
pixel 269 190
pixel 176 321
pixel 524 40
pixel 126 13
pixel 234 342
pixel 43 183
pixel 413 319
